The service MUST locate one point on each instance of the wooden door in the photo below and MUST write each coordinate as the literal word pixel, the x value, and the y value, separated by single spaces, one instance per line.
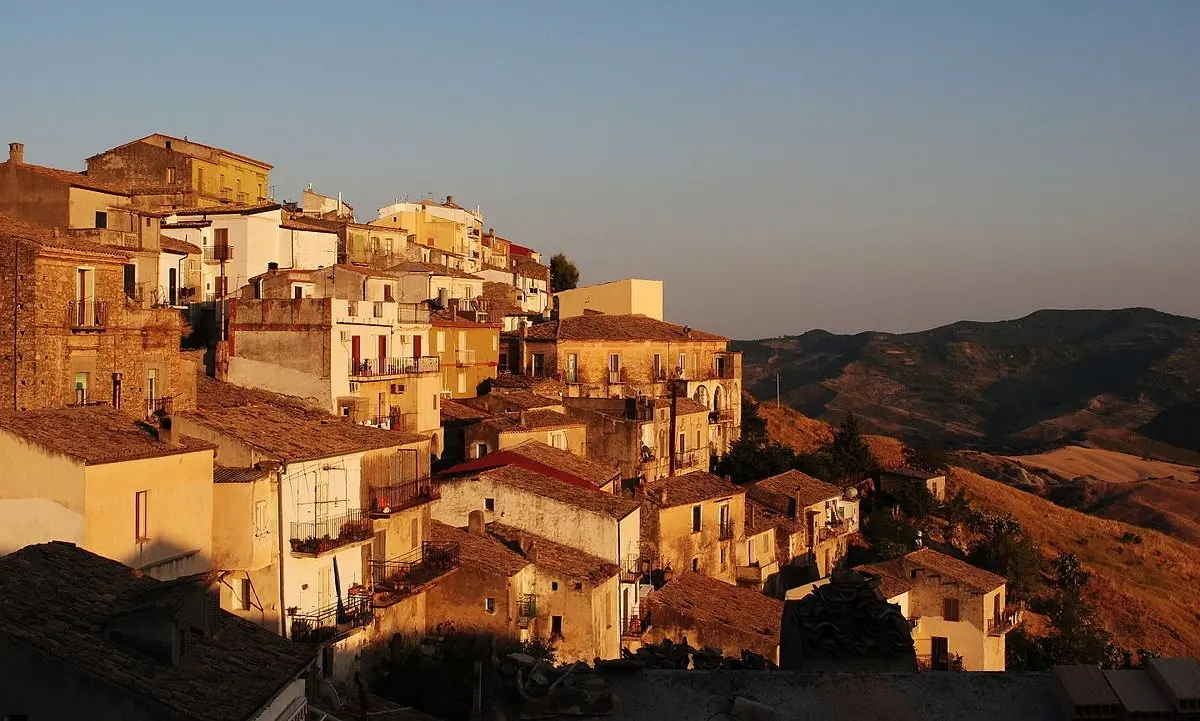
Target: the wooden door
pixel 416 346
pixel 355 352
pixel 325 587
pixel 382 351
pixel 940 659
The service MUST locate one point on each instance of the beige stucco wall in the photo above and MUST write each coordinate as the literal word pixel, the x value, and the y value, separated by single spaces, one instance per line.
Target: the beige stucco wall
pixel 678 545
pixel 179 509
pixel 41 498
pixel 590 623
pixel 84 204
pixel 966 637
pixel 235 543
pixel 620 297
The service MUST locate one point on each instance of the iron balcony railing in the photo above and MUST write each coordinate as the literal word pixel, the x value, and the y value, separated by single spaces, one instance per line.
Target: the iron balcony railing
pixel 158 407
pixel 1006 621
pixel 324 623
pixel 725 530
pixel 399 496
pixel 686 459
pixel 945 662
pixel 419 566
pixel 87 314
pixel 326 534
pixel 632 569
pixel 631 626
pixel 373 367
pixel 220 251
pixel 526 609
pixel 725 415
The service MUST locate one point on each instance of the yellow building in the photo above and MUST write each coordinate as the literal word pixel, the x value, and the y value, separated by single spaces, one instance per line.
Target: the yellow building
pixel 632 296
pixel 602 356
pixel 694 522
pixel 499 432
pixel 168 172
pixel 959 613
pixel 468 351
pixel 446 226
pixel 95 477
pixel 813 520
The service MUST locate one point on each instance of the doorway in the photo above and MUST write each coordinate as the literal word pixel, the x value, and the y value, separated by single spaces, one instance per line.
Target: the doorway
pixel 173 286
pixel 940 657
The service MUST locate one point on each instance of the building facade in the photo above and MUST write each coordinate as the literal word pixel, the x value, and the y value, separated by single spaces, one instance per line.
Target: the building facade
pixel 468 352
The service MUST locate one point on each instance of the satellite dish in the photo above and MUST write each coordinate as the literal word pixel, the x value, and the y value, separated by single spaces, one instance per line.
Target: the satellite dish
pixel 326 691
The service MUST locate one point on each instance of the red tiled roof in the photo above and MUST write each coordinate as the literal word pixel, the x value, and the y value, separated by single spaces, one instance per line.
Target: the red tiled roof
pixel 94 434
pixel 13 228
pixel 75 179
pixel 949 567
pixel 413 266
pixel 541 458
pixel 891 584
pixel 707 600
pixel 588 499
pixel 230 209
pixel 294 223
pixel 457 411
pixel 602 326
pixel 691 488
pixel 230 153
pixel 174 245
pixel 561 560
pixel 484 553
pixel 777 491
pixel 534 420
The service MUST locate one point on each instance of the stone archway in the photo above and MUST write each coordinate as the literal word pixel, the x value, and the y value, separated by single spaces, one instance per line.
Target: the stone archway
pixel 718 399
pixel 701 396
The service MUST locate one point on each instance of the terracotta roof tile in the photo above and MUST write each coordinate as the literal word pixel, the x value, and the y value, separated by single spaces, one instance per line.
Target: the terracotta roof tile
pixel 707 600
pixel 971 576
pixel 691 488
pixel 295 223
pixel 57 598
pixel 891 583
pixel 225 474
pixel 179 246
pixel 524 399
pixel 776 491
pixel 214 394
pixel 485 553
pixel 566 462
pixel 414 266
pixel 534 420
pixel 530 268
pixel 94 434
pixel 593 500
pixel 76 179
pixel 561 560
pixel 45 237
pixel 602 326
pixel 229 209
pixel 455 410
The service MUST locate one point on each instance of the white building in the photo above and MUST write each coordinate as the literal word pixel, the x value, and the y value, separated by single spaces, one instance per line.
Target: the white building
pixel 238 243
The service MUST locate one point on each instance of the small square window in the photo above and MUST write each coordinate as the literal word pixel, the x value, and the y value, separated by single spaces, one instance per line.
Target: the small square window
pixel 489 605
pixel 579 587
pixel 554 585
pixel 489 504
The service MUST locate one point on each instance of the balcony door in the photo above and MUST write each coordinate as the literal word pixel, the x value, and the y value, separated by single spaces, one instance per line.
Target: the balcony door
pixel 325 587
pixel 382 353
pixel 416 346
pixel 356 352
pixel 173 286
pixel 940 658
pixel 572 365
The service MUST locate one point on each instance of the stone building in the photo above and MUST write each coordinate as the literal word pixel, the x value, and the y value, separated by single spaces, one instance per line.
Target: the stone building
pixel 813 520
pixel 694 522
pixel 97 477
pixel 550 461
pixel 635 435
pixel 168 172
pixel 506 430
pixel 78 337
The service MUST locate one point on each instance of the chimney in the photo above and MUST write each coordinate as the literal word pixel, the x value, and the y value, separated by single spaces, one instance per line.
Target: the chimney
pixel 273 267
pixel 16 153
pixel 662 496
pixel 449 200
pixel 475 523
pixel 167 433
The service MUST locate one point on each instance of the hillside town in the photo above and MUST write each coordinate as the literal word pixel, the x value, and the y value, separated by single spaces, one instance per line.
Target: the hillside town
pixel 257 450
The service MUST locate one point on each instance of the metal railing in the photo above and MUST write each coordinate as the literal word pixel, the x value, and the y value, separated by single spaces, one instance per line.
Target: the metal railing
pixel 686 459
pixel 325 623
pixel 631 626
pixel 220 251
pixel 370 367
pixel 465 356
pixel 1006 621
pixel 725 415
pixel 158 406
pixel 414 568
pixel 631 569
pixel 406 494
pixel 87 313
pixel 411 313
pixel 526 609
pixel 949 662
pixel 326 534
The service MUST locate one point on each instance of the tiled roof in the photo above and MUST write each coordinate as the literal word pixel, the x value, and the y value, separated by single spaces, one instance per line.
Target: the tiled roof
pixel 56 599
pixel 961 571
pixel 449 319
pixel 225 474
pixel 502 298
pixel 94 434
pixel 223 151
pixel 534 420
pixel 707 600
pixel 187 224
pixel 913 473
pixel 777 490
pixel 565 461
pixel 891 584
pixel 414 266
pixel 593 500
pixel 531 269
pixel 303 224
pixel 214 394
pixel 46 238
pixel 179 246
pixel 455 410
pixel 524 399
pixel 691 488
pixel 483 552
pixel 683 406
pixel 73 178
pixel 548 555
pixel 602 326
pixel 229 209
pixel 759 518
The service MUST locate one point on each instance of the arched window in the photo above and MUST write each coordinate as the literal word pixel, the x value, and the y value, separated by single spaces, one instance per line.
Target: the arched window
pixel 702 396
pixel 719 399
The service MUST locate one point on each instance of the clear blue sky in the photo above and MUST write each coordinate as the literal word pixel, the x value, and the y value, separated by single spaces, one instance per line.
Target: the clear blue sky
pixel 782 166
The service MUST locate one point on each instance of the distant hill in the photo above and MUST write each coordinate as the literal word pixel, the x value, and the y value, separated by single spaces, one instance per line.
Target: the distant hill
pixel 1014 386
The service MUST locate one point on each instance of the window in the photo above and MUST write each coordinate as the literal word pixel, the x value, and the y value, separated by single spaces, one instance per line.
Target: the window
pixel 682 363
pixel 200 179
pixel 437 403
pixel 657 366
pixel 244 594
pixel 723 561
pixel 608 609
pixel 151 389
pixel 696 564
pixel 579 587
pixel 950 609
pixel 614 363
pixel 101 218
pixel 260 518
pixel 481 449
pixel 696 519
pixel 554 585
pixel 556 626
pixel 81 388
pixel 168 144
pixel 141 528
pixel 462 382
pixel 441 341
pixel 489 605
pixel 489 504
pixel 538 367
pixel 298 292
pixel 495 341
pixel 170 175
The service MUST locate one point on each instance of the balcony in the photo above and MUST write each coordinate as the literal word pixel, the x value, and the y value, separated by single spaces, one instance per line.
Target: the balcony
pixel 464 357
pixel 379 367
pixel 686 459
pixel 326 623
pixel 395 497
pixel 328 534
pixel 526 610
pixel 750 576
pixel 87 314
pixel 158 407
pixel 632 569
pixel 1006 621
pixel 631 626
pixel 725 415
pixel 399 576
pixel 616 377
pixel 725 530
pixel 218 252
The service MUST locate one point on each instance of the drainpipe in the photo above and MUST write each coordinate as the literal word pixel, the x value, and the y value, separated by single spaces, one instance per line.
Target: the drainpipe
pixel 278 487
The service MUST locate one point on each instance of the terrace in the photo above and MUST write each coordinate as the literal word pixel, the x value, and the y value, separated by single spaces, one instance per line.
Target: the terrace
pixel 313 538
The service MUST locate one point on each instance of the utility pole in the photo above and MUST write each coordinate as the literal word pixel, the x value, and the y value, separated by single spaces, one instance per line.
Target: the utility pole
pixel 777 390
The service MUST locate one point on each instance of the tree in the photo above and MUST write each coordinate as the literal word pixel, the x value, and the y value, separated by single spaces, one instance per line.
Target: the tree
pixel 849 453
pixel 748 461
pixel 925 457
pixel 890 537
pixel 1015 556
pixel 563 273
pixel 915 500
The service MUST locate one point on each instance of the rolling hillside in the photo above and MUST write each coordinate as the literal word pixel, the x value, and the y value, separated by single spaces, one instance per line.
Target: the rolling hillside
pixel 1146 591
pixel 1012 385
